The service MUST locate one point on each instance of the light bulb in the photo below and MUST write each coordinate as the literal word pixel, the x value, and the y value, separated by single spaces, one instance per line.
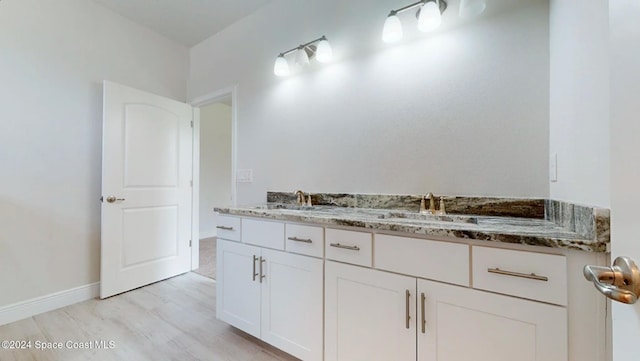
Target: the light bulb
pixel 392 30
pixel 324 54
pixel 281 68
pixel 430 17
pixel 471 8
pixel 302 58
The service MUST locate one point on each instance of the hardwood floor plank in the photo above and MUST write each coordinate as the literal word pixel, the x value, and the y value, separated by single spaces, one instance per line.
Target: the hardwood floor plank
pixel 24 330
pixel 169 320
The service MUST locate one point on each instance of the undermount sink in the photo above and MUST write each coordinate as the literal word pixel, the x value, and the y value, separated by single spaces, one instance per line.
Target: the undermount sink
pixel 387 215
pixel 293 207
pixel 408 216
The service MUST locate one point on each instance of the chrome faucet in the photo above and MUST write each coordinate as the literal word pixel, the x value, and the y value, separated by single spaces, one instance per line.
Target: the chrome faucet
pixel 300 199
pixel 432 204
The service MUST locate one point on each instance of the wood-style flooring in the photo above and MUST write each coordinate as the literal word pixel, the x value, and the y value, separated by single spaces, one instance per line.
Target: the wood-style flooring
pixel 169 320
pixel 207 258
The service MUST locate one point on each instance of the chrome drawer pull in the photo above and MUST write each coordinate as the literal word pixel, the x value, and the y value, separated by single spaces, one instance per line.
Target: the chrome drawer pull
pixel 407 316
pixel 262 275
pixel 300 240
pixel 254 267
pixel 225 228
pixel 531 276
pixel 351 248
pixel 423 298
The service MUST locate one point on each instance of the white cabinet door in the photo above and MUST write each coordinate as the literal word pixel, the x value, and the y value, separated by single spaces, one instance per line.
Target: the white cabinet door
pixel 238 287
pixel 292 304
pixel 462 324
pixel 366 315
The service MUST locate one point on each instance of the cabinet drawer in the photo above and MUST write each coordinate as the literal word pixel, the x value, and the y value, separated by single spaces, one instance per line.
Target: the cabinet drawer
pixel 263 233
pixel 535 276
pixel 349 246
pixel 228 227
pixel 307 240
pixel 435 260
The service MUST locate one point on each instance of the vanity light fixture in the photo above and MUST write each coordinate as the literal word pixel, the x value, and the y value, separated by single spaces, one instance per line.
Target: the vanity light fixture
pixel 302 58
pixel 429 18
pixel 324 53
pixel 319 48
pixel 281 68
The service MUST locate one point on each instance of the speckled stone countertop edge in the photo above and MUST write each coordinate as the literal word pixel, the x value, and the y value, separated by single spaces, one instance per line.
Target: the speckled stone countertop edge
pixel 502 233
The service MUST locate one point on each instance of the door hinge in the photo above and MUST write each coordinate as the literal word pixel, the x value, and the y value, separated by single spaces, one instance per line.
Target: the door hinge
pixel 191 183
pixel 192 124
pixel 189 243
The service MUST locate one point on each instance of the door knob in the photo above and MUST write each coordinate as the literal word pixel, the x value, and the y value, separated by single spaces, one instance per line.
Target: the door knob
pixel 620 282
pixel 112 199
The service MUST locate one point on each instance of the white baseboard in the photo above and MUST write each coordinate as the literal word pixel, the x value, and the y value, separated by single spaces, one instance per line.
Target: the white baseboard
pixel 38 305
pixel 210 234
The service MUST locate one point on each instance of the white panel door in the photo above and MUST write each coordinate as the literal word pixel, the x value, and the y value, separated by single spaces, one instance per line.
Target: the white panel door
pixel 292 295
pixel 369 315
pixel 146 175
pixel 624 25
pixel 238 285
pixel 463 324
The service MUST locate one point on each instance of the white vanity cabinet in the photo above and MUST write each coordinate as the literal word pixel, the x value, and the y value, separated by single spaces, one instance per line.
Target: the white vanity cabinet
pixel 369 314
pixel 462 324
pixel 267 234
pixel 378 297
pixel 273 295
pixel 306 240
pixel 291 317
pixel 375 315
pixel 349 246
pixel 228 227
pixel 237 286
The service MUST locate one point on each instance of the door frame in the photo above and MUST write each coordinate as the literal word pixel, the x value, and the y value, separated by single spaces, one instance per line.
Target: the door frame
pixel 198 103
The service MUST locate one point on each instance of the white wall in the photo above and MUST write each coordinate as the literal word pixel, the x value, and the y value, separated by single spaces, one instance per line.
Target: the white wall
pixel 215 164
pixel 625 162
pixel 54 56
pixel 579 100
pixel 463 111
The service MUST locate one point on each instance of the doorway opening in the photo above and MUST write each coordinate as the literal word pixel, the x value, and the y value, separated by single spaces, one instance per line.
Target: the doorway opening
pixel 214 185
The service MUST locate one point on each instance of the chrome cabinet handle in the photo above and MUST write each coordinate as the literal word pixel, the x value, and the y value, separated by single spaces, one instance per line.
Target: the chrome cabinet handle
pixel 620 282
pixel 351 248
pixel 262 276
pixel 254 267
pixel 225 228
pixel 531 276
pixel 408 316
pixel 423 299
pixel 300 240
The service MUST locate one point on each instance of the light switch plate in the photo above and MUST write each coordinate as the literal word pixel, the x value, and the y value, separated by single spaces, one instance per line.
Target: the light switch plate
pixel 553 167
pixel 244 175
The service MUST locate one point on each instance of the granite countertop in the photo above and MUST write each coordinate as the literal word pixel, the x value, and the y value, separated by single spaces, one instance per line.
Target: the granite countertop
pixel 516 230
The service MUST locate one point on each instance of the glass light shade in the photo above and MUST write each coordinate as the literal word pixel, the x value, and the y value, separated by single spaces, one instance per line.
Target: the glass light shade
pixel 324 53
pixel 471 8
pixel 281 68
pixel 430 17
pixel 392 30
pixel 302 58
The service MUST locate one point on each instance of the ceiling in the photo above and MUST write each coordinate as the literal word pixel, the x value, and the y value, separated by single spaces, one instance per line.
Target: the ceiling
pixel 185 21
